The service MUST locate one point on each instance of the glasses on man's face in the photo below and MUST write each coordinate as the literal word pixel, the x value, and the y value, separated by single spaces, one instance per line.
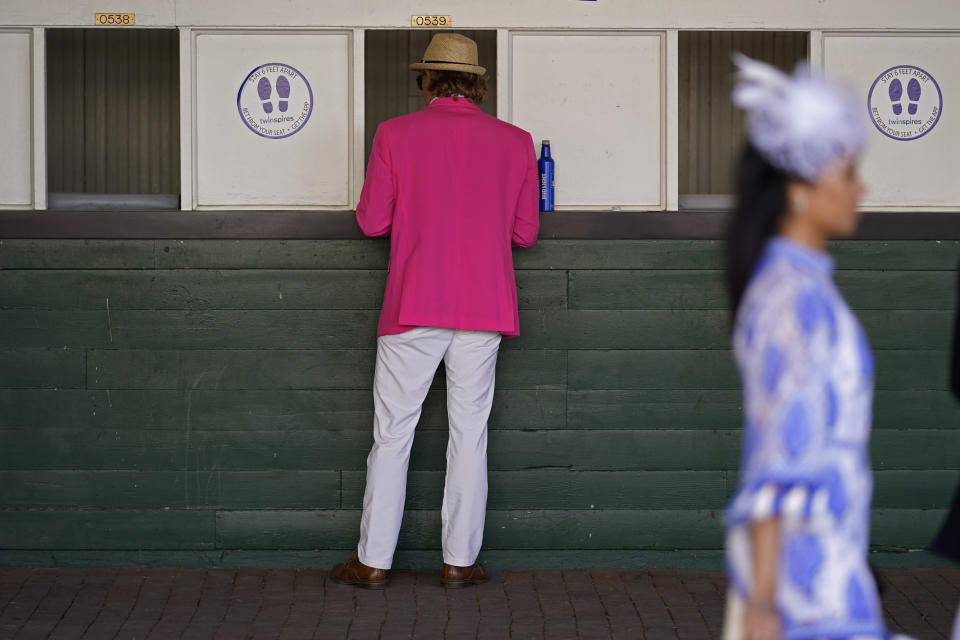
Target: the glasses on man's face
pixel 420 82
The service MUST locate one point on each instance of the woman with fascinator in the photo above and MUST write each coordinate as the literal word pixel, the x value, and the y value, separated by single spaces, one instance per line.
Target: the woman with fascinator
pixel 798 526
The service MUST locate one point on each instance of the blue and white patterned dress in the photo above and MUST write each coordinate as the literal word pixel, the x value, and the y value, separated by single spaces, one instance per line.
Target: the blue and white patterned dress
pixel 807 375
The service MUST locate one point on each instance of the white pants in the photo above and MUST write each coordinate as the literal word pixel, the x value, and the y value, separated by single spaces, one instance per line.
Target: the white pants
pixel 406 364
pixel 956 627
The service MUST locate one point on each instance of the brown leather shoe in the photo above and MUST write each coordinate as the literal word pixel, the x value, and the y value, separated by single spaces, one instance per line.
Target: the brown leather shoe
pixel 455 577
pixel 355 573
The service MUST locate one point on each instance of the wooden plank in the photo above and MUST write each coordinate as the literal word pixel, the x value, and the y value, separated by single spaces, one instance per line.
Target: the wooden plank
pixel 419 560
pixel 46 368
pixel 231 289
pixel 288 369
pixel 666 369
pixel 194 289
pixel 498 560
pixel 902 255
pixel 620 254
pixel 915 449
pixel 346 329
pixel 898 255
pixel 563 489
pixel 923 370
pixel 272 254
pixel 38 329
pixel 241 329
pixel 76 254
pixel 709 369
pixel 905 528
pixel 154 529
pixel 926 489
pixel 195 448
pixel 542 529
pixel 658 329
pixel 885 289
pixel 654 409
pixel 915 409
pixel 704 289
pixel 647 289
pixel 699 409
pixel 188 489
pixel 239 410
pixel 116 369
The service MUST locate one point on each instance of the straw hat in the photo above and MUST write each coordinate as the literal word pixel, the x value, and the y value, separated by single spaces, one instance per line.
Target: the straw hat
pixel 450 52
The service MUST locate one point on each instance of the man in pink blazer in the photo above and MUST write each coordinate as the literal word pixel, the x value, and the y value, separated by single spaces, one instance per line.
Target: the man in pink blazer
pixel 454 189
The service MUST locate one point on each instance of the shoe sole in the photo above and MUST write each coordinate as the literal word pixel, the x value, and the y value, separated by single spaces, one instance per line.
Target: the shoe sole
pixel 361 584
pixel 460 584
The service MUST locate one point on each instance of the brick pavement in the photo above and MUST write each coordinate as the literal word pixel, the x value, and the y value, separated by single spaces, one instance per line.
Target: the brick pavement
pixel 289 604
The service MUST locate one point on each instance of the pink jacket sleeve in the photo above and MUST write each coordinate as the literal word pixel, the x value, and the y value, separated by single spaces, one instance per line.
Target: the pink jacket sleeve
pixel 378 197
pixel 526 221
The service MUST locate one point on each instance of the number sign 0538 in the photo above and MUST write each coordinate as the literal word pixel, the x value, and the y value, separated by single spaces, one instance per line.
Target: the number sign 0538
pixel 113 19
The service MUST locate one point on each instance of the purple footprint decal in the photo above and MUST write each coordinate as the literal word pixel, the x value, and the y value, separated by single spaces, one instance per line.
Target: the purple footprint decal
pixel 896 91
pixel 264 90
pixel 283 90
pixel 913 92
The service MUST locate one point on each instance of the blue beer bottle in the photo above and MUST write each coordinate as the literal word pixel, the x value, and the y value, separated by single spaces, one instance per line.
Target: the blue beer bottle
pixel 546 177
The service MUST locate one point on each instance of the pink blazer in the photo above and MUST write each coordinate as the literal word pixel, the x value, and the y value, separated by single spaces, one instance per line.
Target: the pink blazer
pixel 455 189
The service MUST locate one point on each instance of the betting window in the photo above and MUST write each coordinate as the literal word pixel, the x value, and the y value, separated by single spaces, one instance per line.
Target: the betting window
pixel 711 129
pixel 391 88
pixel 113 124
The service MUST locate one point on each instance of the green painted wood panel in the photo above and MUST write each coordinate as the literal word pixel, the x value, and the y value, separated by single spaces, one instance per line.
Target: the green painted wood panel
pixel 722 409
pixel 188 489
pixel 239 410
pixel 566 489
pixel 502 560
pixel 195 449
pixel 621 449
pixel 704 289
pixel 346 329
pixel 129 529
pixel 714 369
pixel 220 411
pixel 542 529
pixel 77 254
pixel 325 559
pixel 287 369
pixel 372 254
pixel 244 289
pixel 654 409
pixel 272 254
pixel 45 368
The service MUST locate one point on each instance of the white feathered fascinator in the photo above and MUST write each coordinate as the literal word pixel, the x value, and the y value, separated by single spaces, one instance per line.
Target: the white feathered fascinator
pixel 800 123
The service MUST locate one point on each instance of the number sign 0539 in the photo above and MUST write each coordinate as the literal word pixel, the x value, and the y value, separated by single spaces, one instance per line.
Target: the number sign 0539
pixel 431 22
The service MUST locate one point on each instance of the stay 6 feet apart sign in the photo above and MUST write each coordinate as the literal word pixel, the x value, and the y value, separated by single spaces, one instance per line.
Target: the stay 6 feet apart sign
pixel 275 100
pixel 905 102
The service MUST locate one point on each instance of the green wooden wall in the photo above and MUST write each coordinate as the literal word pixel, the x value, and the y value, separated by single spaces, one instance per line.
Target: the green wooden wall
pixel 208 402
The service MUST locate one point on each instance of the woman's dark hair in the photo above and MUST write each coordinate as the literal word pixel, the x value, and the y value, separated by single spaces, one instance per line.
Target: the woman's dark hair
pixel 761 202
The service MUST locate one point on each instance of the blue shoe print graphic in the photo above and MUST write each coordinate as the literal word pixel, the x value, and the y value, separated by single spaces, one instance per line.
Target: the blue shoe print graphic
pixel 264 90
pixel 896 91
pixel 913 92
pixel 283 90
